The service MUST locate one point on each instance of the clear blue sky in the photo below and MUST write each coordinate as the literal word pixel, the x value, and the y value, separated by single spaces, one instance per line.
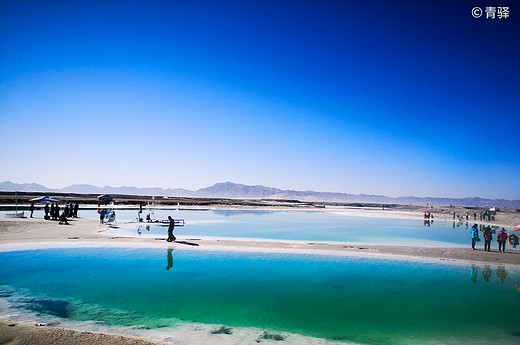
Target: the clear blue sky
pixel 379 97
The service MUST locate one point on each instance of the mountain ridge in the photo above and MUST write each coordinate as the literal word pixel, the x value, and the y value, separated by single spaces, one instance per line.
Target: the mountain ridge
pixel 240 191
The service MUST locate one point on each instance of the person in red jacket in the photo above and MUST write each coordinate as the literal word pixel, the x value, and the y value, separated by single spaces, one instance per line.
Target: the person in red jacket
pixel 501 239
pixel 487 239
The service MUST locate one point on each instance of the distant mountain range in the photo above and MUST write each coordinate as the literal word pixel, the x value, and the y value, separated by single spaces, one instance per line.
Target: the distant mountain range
pixel 240 191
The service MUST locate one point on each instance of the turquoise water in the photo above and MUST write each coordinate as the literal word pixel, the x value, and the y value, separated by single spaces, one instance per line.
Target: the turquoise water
pixel 296 225
pixel 304 226
pixel 370 301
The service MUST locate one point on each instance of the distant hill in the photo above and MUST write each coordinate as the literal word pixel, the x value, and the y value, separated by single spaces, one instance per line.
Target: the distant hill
pixel 234 190
pixel 90 189
pixel 22 187
pixel 241 191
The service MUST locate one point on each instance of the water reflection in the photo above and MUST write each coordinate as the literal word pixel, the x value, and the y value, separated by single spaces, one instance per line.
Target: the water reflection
pixel 502 273
pixel 486 273
pixel 229 213
pixel 169 258
pixel 141 227
pixel 473 273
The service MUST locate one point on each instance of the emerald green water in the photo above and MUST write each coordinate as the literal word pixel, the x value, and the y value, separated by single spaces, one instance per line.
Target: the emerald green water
pixel 362 300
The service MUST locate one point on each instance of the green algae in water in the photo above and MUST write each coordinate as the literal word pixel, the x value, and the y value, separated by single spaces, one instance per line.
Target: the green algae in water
pixel 371 301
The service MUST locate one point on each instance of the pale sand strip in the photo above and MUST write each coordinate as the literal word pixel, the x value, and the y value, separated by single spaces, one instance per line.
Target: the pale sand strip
pixel 22 234
pixel 13 333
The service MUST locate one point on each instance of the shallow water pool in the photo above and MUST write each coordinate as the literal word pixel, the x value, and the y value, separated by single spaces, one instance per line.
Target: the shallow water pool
pixel 303 226
pixel 361 300
pixel 294 225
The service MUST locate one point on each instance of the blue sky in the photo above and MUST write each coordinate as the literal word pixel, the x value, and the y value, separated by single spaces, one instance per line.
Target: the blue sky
pixel 373 97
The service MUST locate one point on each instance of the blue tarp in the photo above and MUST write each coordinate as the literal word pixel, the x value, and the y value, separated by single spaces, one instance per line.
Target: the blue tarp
pixel 45 199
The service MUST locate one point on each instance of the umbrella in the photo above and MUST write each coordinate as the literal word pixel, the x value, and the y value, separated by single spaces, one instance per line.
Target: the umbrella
pixel 45 199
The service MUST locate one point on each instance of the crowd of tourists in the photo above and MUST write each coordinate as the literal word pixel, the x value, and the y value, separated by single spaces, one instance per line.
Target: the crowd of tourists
pixel 53 212
pixel 502 238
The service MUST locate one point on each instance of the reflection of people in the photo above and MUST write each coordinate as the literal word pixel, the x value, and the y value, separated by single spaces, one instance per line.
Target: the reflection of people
pixel 486 273
pixel 171 226
pixel 501 273
pixel 169 257
pixel 473 273
pixel 474 236
pixel 487 239
pixel 501 239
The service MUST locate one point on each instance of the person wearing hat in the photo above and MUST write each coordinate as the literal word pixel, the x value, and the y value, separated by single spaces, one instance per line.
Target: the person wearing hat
pixel 501 239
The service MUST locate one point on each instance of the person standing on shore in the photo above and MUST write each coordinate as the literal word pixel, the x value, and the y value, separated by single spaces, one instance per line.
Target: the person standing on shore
pixel 171 226
pixel 31 208
pixel 57 212
pixel 501 239
pixel 46 211
pixel 513 240
pixel 474 236
pixel 487 239
pixel 102 214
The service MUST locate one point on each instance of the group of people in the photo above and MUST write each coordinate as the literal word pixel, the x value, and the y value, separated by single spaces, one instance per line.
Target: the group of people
pixel 53 212
pixel 106 214
pixel 483 216
pixel 502 238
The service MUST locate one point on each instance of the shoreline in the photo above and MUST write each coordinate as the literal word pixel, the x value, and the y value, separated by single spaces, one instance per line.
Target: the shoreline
pixel 34 233
pixel 12 332
pixel 441 214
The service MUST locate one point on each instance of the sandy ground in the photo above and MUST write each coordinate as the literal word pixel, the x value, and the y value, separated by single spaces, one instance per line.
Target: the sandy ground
pixel 27 233
pixel 12 333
